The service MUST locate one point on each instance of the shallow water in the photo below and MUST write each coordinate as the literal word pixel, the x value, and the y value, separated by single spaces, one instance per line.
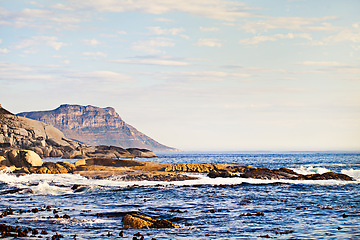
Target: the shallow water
pixel 205 208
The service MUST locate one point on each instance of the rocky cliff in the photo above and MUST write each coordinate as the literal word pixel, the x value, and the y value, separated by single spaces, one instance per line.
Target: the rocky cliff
pixel 95 126
pixel 19 135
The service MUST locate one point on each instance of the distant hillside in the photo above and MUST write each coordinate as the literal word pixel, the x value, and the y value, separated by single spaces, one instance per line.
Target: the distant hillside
pixel 95 126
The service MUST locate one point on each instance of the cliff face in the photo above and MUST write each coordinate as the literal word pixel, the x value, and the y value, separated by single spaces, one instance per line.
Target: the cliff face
pixel 95 126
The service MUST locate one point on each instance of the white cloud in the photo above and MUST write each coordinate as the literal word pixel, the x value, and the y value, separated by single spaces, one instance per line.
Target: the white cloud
pixel 4 50
pixel 164 20
pixel 162 61
pixel 275 37
pixel 203 76
pixel 161 31
pixel 209 42
pixel 101 76
pixel 209 29
pixel 215 9
pixel 91 42
pixel 313 63
pixel 94 54
pixel 41 40
pixel 153 46
pixel 39 18
pixel 290 23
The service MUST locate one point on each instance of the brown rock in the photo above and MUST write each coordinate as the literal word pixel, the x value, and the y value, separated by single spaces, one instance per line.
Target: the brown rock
pixel 69 166
pixel 139 221
pixel 23 158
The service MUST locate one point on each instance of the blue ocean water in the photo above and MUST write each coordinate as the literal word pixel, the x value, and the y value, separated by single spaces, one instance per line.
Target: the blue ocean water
pixel 205 208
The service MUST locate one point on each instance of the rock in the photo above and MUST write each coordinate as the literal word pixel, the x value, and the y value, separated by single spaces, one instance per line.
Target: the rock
pixel 284 173
pixel 89 123
pixel 57 142
pixel 31 158
pixel 69 166
pixel 191 167
pixel 23 158
pixel 221 173
pixel 326 176
pixel 139 221
pixel 142 153
pixel 55 168
pixel 5 162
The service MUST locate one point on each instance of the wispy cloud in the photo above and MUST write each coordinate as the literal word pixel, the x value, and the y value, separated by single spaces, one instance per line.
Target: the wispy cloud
pixel 161 61
pixel 153 46
pixel 4 50
pixel 39 18
pixel 215 9
pixel 209 42
pixel 51 41
pixel 291 23
pixel 209 29
pixel 91 42
pixel 313 63
pixel 259 39
pixel 101 76
pixel 95 54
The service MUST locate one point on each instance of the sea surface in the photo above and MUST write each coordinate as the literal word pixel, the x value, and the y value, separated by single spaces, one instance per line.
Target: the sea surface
pixel 205 208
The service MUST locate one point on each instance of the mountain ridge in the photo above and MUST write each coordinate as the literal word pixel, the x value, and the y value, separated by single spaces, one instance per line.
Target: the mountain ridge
pixel 95 126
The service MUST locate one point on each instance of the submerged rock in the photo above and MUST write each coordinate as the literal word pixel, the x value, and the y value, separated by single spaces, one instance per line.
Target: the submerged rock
pixel 138 221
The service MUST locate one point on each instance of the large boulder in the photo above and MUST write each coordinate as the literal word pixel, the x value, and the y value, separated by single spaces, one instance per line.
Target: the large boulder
pixel 138 221
pixel 23 158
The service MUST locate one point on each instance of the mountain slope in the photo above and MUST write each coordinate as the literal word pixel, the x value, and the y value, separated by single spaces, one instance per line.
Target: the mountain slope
pixel 95 126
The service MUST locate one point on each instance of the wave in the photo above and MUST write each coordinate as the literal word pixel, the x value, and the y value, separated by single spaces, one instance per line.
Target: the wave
pixel 305 170
pixel 352 173
pixel 58 184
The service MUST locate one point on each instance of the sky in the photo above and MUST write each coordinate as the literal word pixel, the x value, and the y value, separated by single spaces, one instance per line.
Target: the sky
pixel 194 75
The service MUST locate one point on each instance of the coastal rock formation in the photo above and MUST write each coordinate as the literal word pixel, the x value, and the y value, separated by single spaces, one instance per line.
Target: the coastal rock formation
pixel 284 173
pixel 95 126
pixel 20 133
pixel 207 168
pixel 138 221
pixel 22 158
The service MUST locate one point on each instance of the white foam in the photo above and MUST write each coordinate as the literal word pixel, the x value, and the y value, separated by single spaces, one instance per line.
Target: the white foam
pixel 305 170
pixel 352 173
pixel 45 188
pixel 55 184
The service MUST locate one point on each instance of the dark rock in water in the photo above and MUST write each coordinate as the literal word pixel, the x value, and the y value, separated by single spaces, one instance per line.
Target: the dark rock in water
pixel 143 221
pixel 265 173
pixel 326 176
pixel 9 231
pixel 221 173
pixel 17 190
pixel 57 237
pixel 284 173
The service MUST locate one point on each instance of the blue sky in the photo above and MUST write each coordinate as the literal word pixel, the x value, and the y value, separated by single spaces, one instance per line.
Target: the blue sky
pixel 195 75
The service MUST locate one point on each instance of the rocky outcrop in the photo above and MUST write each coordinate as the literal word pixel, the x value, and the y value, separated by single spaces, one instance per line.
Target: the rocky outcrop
pixel 23 158
pixel 49 168
pixel 47 141
pixel 207 168
pixel 138 221
pixel 284 173
pixel 95 126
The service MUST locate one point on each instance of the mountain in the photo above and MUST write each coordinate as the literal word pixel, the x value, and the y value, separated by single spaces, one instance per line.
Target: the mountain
pixel 95 126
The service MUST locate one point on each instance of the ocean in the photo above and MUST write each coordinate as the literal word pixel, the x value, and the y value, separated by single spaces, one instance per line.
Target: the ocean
pixel 220 208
